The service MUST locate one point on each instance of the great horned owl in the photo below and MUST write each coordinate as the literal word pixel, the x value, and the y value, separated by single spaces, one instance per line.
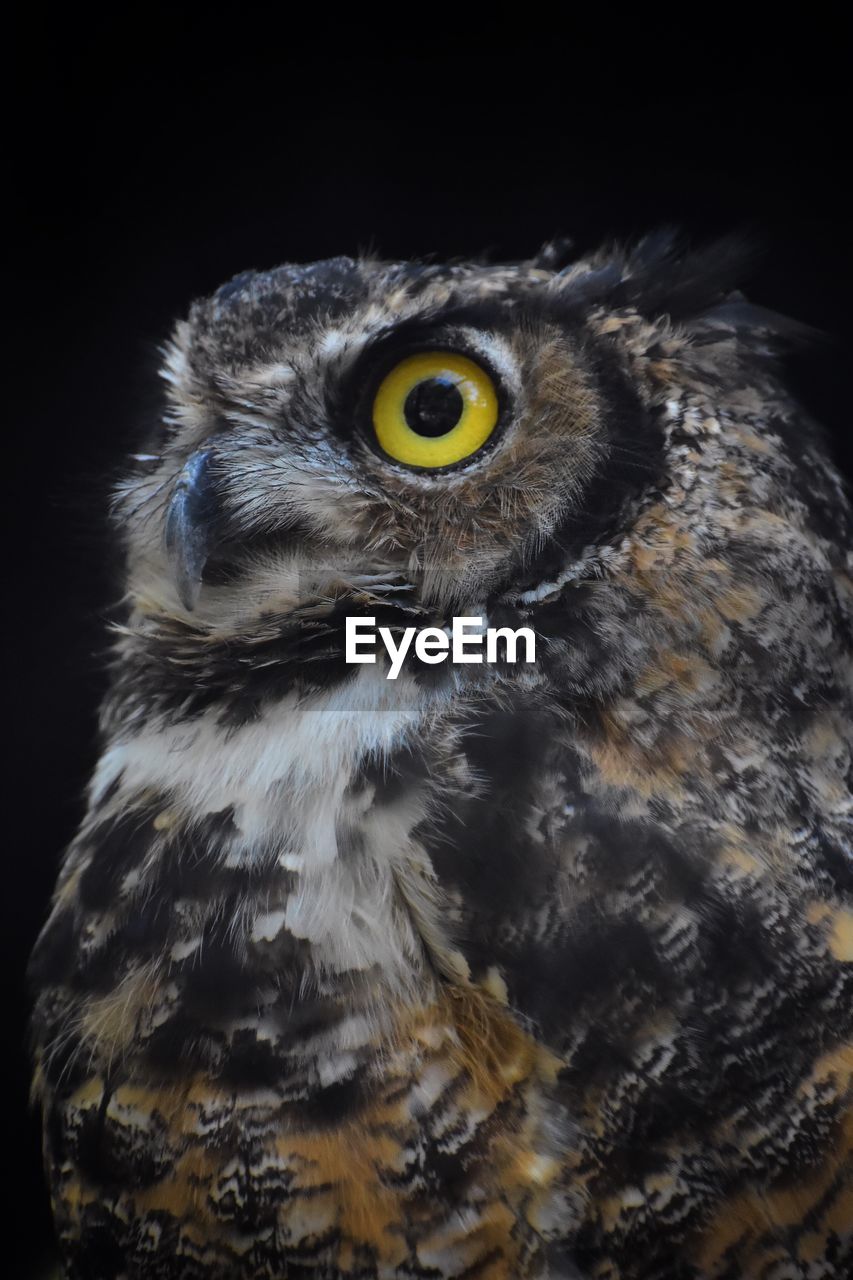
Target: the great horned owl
pixel 494 970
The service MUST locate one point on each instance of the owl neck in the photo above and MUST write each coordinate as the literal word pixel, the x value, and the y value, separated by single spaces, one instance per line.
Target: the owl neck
pixel 296 784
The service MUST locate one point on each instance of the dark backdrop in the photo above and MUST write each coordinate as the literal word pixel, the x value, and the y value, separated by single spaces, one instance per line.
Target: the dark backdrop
pixel 154 154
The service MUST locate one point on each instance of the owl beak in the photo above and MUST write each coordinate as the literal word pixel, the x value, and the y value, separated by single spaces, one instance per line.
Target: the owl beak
pixel 189 525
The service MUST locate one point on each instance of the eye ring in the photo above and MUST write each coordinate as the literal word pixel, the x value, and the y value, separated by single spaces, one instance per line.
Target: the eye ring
pixel 434 408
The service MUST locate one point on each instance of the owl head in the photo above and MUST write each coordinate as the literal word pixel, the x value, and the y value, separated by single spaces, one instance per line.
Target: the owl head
pixel 451 439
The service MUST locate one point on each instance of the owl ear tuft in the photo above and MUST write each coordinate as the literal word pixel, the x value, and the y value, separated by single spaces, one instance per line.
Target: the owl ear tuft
pixel 662 275
pixel 696 288
pixel 762 331
pixel 555 254
pixel 699 289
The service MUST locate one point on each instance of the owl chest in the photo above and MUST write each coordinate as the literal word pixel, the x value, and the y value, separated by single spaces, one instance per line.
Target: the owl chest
pixel 262 1062
pixel 420 1155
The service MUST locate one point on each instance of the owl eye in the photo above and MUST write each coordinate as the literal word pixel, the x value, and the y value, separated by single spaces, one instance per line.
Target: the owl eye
pixel 434 408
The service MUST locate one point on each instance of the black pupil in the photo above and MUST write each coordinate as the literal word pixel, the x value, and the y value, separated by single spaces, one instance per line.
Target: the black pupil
pixel 433 407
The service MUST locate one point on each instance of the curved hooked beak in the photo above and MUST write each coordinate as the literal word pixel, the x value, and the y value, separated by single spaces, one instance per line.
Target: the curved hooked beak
pixel 190 518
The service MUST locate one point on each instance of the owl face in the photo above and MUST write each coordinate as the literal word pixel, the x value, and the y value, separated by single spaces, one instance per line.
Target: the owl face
pixel 441 427
pixel 417 443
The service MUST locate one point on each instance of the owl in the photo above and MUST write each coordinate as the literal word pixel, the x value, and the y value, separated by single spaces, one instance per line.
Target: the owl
pixel 495 970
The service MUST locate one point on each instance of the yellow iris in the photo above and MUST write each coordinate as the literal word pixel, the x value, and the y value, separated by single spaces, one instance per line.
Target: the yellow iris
pixel 434 409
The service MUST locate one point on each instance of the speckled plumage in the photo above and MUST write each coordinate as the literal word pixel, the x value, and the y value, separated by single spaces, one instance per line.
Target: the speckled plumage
pixel 495 972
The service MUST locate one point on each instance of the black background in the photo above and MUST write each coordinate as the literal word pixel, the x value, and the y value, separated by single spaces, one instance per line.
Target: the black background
pixel 155 153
